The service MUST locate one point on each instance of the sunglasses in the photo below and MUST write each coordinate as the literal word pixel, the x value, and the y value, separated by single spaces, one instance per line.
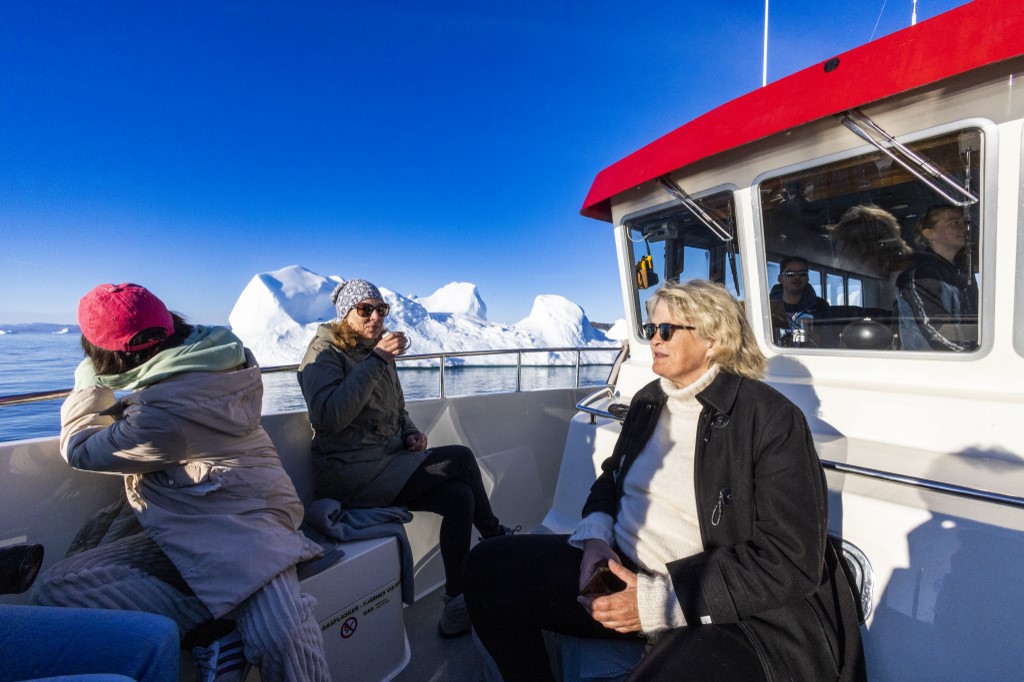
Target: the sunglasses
pixel 664 330
pixel 794 273
pixel 366 309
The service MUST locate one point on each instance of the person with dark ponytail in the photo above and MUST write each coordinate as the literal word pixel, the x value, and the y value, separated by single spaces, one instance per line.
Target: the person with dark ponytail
pixel 937 298
pixel 210 528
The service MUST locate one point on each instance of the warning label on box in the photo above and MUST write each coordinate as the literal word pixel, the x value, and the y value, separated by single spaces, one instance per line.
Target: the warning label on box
pixel 358 614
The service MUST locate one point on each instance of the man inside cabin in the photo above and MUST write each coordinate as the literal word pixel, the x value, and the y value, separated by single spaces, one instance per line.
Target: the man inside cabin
pixel 795 307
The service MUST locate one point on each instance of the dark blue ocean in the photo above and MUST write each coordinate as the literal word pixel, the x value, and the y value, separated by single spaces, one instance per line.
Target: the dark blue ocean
pixel 33 362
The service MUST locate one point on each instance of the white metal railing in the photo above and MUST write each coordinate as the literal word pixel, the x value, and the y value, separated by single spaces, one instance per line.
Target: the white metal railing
pixel 442 358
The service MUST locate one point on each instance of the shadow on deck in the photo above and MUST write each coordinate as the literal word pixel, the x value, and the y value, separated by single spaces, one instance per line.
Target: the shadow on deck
pixel 435 659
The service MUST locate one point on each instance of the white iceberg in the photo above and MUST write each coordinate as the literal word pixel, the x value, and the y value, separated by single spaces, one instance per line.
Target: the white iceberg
pixel 619 331
pixel 278 312
pixel 457 298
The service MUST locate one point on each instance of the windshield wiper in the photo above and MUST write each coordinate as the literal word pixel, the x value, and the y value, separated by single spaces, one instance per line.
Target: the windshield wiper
pixel 914 164
pixel 670 186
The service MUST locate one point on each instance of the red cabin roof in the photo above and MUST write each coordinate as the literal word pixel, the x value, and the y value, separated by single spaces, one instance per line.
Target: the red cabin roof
pixel 973 35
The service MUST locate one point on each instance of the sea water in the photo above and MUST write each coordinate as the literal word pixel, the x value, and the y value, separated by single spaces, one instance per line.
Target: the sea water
pixel 34 362
pixel 31 363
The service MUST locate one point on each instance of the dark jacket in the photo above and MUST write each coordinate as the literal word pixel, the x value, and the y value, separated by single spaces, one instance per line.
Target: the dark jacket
pixel 811 311
pixel 357 411
pixel 938 306
pixel 761 501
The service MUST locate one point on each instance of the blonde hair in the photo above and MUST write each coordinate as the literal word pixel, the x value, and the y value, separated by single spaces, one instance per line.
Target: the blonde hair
pixel 719 318
pixel 343 336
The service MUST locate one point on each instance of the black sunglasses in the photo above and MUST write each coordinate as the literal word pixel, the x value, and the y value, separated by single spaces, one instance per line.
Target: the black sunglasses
pixel 794 273
pixel 664 330
pixel 366 309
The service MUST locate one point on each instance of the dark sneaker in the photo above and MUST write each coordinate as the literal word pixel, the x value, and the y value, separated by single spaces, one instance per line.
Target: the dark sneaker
pixel 454 618
pixel 502 530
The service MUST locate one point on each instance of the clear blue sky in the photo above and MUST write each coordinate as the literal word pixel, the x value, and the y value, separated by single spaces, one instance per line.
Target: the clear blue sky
pixel 189 145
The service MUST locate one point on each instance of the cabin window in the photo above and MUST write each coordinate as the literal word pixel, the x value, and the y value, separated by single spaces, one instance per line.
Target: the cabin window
pixel 835 286
pixel 681 247
pixel 863 255
pixel 854 291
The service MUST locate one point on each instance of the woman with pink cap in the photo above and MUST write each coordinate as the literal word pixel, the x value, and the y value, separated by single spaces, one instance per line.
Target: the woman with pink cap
pixel 210 529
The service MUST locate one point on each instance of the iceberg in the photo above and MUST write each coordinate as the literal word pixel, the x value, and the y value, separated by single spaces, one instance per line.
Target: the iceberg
pixel 619 331
pixel 277 314
pixel 457 298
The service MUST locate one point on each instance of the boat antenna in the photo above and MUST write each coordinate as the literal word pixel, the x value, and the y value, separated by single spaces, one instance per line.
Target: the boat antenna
pixel 764 61
pixel 879 19
pixel 913 14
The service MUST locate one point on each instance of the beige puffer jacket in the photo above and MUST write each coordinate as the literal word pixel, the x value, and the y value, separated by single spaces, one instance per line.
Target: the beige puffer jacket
pixel 201 474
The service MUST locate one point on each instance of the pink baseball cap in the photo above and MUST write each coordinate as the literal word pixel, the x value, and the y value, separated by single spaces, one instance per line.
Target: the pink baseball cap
pixel 112 314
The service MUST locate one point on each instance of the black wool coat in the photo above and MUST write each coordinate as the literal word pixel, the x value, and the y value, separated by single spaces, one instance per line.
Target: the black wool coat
pixel 767 563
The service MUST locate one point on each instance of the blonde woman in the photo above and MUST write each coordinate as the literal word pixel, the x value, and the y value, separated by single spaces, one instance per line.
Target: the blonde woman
pixel 367 452
pixel 710 515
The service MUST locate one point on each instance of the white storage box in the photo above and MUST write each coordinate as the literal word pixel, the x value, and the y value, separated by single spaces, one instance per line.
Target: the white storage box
pixel 359 609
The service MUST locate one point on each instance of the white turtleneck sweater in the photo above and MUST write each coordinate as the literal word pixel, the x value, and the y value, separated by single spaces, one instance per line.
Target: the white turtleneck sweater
pixel 657 520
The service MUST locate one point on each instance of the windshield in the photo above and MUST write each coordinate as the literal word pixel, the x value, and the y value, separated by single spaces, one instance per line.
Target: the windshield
pixel 681 247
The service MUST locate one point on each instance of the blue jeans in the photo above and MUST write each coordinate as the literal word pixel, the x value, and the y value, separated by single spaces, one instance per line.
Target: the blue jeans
pixel 38 642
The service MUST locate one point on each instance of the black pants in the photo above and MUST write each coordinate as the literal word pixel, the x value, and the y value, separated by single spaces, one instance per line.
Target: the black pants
pixel 448 482
pixel 518 585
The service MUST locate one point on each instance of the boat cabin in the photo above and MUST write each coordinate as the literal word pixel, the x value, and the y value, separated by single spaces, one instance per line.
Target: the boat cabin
pixel 841 184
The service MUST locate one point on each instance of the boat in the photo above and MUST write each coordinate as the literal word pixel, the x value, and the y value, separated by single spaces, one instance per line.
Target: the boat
pixel 923 449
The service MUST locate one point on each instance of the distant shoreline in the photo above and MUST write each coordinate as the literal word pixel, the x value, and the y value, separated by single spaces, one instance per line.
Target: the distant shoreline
pixel 39 328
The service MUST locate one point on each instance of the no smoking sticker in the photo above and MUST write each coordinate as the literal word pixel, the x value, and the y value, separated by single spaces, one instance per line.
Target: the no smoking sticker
pixel 348 628
pixel 375 610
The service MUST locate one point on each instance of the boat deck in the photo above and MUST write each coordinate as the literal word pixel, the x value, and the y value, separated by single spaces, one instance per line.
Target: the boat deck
pixel 435 659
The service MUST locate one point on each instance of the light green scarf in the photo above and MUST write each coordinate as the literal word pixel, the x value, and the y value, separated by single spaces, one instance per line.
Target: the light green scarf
pixel 207 349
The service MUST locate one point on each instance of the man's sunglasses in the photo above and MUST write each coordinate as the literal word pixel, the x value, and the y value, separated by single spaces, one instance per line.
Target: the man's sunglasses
pixel 794 273
pixel 664 330
pixel 366 309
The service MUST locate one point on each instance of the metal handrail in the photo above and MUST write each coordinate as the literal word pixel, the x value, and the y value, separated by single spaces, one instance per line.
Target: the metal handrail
pixel 975 494
pixel 42 396
pixel 926 484
pixel 584 405
pixel 36 397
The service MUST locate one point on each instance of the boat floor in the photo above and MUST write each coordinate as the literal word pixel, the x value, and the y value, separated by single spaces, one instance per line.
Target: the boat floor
pixel 435 659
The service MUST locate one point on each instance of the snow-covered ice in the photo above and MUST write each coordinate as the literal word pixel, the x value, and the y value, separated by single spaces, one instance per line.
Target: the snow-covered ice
pixel 278 312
